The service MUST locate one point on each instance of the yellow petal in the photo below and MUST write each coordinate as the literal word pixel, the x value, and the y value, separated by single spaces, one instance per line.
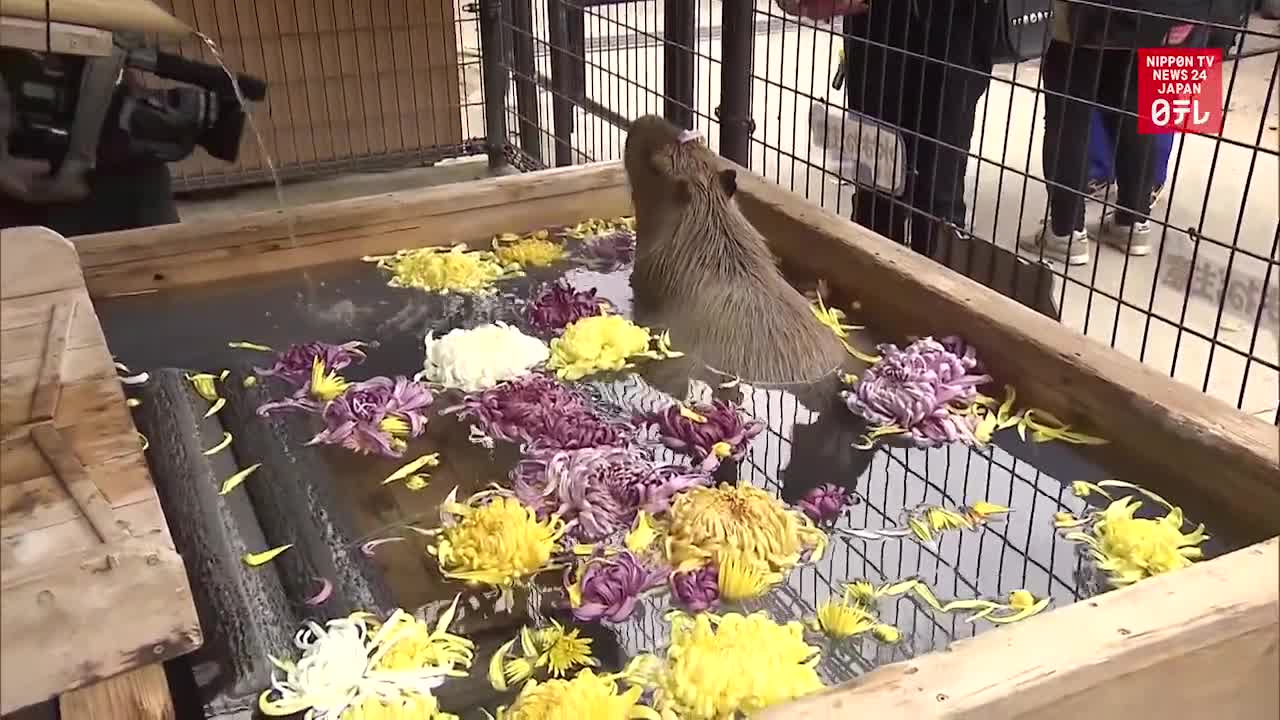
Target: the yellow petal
pixel 222 445
pixel 920 530
pixel 215 407
pixel 262 558
pixel 145 442
pixel 984 508
pixel 986 428
pixel 446 618
pixel 132 402
pixel 1022 614
pixel 496 676
pixel 222 376
pixel 898 588
pixel 203 385
pixel 232 482
pixel 412 467
pixel 241 345
pixel 887 634
pixel 927 595
pixel 643 535
pixel 249 381
pixel 690 414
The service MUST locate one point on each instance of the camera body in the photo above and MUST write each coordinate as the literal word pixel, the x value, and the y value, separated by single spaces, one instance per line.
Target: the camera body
pixel 76 113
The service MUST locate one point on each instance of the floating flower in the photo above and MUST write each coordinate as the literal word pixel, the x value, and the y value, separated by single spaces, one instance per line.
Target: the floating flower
pixel 594 227
pixel 324 385
pixel 731 665
pixel 604 343
pixel 445 270
pixel 494 540
pixel 376 416
pixel 296 364
pixel 535 250
pixel 480 358
pixel 824 503
pixel 354 668
pixel 923 391
pixel 608 588
pixel 586 697
pixel 559 305
pixel 925 521
pixel 1127 548
pixel 840 619
pixel 557 650
pixel 833 319
pixel 704 522
pixel 598 490
pixel 697 590
pixel 741 578
pixel 543 412
pixel 707 432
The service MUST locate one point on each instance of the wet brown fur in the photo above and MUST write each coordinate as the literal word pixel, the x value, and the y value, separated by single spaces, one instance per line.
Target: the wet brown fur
pixel 705 274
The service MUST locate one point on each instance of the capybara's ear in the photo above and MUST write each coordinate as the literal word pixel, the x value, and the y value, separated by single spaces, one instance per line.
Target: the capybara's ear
pixel 729 182
pixel 682 192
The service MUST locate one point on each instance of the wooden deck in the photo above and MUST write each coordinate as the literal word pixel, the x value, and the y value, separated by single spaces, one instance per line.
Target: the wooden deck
pixel 92 586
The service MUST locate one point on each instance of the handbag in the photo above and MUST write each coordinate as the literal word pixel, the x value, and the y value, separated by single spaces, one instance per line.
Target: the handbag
pixel 1022 29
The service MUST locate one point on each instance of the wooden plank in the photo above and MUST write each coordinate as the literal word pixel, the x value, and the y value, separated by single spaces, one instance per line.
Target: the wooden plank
pixel 66 466
pixel 1201 642
pixel 56 37
pixel 36 260
pixel 44 401
pixel 92 416
pixel 1201 452
pixel 141 694
pixel 19 379
pixel 139 260
pixel 49 546
pixel 44 502
pixel 23 324
pixel 57 636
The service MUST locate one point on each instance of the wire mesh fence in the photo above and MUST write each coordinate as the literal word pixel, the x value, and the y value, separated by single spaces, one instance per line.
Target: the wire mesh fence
pixel 814 107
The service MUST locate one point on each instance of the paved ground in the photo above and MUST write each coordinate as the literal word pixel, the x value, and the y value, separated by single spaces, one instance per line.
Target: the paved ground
pixel 1140 305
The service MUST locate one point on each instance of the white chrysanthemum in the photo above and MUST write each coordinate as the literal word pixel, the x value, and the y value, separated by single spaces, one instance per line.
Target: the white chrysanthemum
pixel 480 358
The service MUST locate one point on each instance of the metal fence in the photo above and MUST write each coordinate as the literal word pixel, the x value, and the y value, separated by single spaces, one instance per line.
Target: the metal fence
pixel 774 93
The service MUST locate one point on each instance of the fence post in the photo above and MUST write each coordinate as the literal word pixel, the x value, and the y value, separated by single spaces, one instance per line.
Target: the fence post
pixel 494 74
pixel 679 30
pixel 738 43
pixel 563 74
pixel 525 76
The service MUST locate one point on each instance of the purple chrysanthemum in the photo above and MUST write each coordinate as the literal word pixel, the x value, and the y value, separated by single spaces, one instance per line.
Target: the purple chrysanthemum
pixel 697 590
pixel 559 305
pixel 610 251
pixel 706 432
pixel 918 389
pixel 376 416
pixel 599 490
pixel 611 587
pixel 543 413
pixel 294 363
pixel 824 503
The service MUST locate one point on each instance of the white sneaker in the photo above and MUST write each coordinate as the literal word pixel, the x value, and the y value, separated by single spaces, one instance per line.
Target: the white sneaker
pixel 1072 249
pixel 1134 238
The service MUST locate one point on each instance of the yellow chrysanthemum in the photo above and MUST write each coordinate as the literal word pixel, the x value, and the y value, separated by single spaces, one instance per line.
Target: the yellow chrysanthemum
pixel 558 650
pixel 741 578
pixel 445 269
pixel 598 226
pixel 706 522
pixel 603 343
pixel 495 541
pixel 1129 548
pixel 325 383
pixel 536 250
pixel 586 697
pixel 726 666
pixel 355 668
pixel 839 620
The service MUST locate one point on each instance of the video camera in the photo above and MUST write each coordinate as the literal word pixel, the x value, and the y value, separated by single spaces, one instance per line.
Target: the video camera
pixel 77 113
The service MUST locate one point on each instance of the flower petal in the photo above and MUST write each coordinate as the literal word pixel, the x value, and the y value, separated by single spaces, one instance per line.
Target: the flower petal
pixel 266 556
pixel 234 481
pixel 222 445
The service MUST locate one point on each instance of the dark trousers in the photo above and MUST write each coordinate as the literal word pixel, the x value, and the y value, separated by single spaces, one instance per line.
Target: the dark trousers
pixel 1084 76
pixel 119 199
pixel 921 67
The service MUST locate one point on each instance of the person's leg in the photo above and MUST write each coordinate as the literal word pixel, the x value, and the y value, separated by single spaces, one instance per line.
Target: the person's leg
pixel 874 77
pixel 954 79
pixel 1128 228
pixel 1069 74
pixel 1101 154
